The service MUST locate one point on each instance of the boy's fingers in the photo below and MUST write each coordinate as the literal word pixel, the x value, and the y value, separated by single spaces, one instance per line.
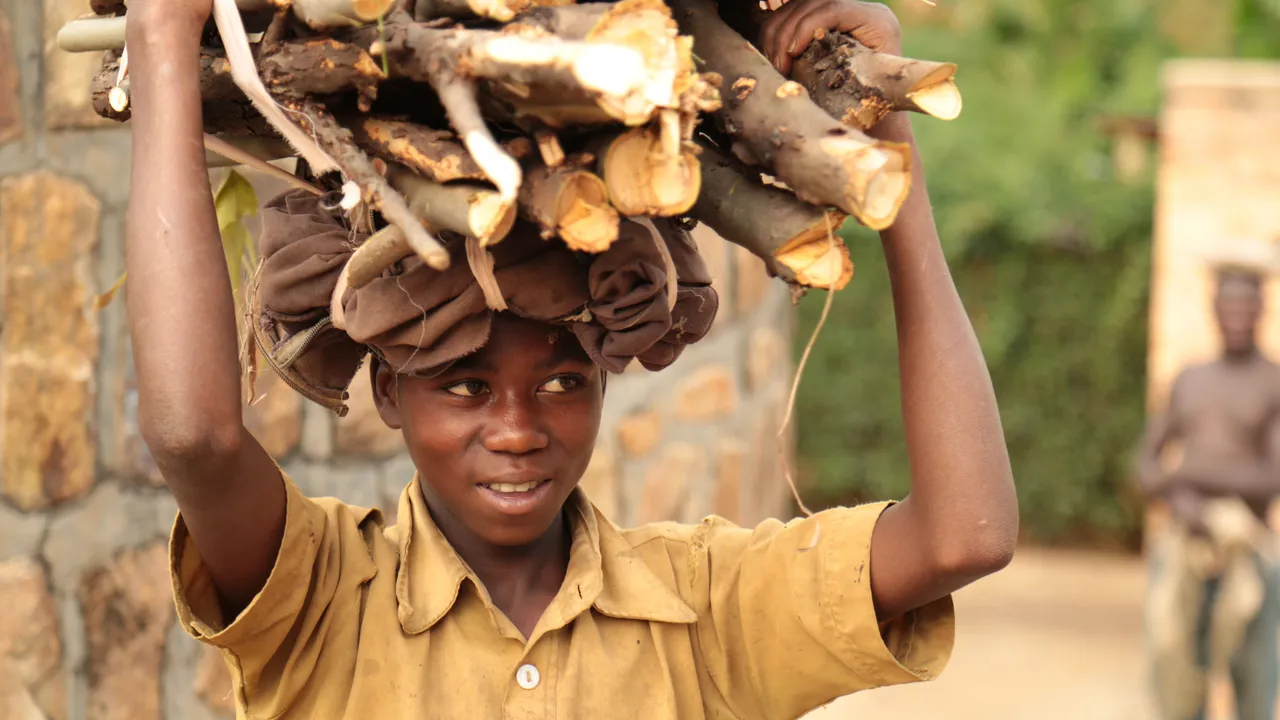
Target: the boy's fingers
pixel 794 37
pixel 825 17
pixel 771 38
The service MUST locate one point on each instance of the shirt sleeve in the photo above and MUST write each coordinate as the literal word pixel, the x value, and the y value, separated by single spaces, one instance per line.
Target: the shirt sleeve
pixel 787 619
pixel 312 599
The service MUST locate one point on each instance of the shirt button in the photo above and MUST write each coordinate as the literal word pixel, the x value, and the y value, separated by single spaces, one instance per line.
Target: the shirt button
pixel 528 677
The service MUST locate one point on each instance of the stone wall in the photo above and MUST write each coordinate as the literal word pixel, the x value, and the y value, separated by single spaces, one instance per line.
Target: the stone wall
pixel 87 627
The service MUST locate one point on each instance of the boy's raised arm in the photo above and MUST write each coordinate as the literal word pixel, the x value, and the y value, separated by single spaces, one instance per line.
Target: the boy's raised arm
pixel 182 318
pixel 960 520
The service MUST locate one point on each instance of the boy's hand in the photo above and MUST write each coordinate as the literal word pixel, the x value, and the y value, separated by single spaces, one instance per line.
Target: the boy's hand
pixel 790 28
pixel 150 19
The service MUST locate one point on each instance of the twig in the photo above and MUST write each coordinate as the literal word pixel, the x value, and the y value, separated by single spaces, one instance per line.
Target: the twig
pixel 231 152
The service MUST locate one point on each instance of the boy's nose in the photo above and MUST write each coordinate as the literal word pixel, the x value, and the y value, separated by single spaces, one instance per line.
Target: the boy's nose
pixel 514 428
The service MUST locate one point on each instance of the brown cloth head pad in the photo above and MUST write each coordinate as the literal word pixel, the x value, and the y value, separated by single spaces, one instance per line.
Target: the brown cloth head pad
pixel 420 320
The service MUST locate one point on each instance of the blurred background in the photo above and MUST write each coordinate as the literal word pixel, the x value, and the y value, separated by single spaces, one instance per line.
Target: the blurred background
pixel 1103 144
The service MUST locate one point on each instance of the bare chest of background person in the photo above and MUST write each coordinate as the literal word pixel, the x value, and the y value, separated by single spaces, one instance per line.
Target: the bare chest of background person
pixel 1226 413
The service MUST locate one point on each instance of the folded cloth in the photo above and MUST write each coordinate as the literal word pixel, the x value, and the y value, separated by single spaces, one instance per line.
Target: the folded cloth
pixel 420 320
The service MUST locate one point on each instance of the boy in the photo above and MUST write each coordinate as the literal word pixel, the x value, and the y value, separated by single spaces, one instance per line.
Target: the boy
pixel 1215 599
pixel 501 592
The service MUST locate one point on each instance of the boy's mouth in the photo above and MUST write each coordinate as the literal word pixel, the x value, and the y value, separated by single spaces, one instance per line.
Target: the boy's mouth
pixel 510 488
pixel 517 498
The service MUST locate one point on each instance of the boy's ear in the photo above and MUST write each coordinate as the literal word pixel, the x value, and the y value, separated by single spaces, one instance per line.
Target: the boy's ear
pixel 386 392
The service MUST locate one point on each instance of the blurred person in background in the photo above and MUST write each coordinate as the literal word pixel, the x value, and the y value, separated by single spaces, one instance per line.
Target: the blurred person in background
pixel 1214 602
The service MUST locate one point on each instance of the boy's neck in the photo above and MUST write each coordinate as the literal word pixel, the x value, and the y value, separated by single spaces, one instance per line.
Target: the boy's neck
pixel 521 580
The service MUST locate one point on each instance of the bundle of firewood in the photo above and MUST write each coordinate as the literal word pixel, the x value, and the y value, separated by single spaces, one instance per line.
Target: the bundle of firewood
pixel 457 115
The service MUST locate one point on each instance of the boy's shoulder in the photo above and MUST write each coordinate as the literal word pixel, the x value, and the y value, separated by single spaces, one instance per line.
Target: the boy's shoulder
pixel 671 533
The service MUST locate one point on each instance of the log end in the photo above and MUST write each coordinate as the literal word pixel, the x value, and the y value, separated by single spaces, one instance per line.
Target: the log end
pixel 585 219
pixel 941 100
pixel 879 178
pixel 490 217
pixel 371 10
pixel 643 180
pixel 818 259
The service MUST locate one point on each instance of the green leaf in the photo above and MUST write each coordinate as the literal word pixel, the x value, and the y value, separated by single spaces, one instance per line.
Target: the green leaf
pixel 234 200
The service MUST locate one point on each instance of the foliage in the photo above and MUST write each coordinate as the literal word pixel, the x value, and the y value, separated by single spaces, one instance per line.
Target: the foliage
pixel 1050 250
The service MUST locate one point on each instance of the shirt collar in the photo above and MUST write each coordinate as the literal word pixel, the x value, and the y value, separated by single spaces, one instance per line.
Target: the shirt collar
pixel 605 572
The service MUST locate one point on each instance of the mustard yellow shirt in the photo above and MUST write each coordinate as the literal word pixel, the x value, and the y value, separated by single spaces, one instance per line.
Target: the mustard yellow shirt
pixel 362 621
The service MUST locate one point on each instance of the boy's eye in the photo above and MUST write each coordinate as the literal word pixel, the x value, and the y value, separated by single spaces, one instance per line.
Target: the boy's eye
pixel 466 388
pixel 562 384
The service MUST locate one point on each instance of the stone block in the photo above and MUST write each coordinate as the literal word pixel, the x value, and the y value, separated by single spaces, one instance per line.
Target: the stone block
pixel 639 433
pixel 48 233
pixel 213 682
pixel 766 357
pixel 602 483
pixel 717 254
pixel 731 469
pixel 709 393
pixel 67 102
pixel 128 608
pixel 10 100
pixel 32 681
pixel 275 418
pixel 668 480
pixel 766 492
pixel 751 282
pixel 362 431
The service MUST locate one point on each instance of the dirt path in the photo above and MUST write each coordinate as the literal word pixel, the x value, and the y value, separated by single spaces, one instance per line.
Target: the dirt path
pixel 1056 635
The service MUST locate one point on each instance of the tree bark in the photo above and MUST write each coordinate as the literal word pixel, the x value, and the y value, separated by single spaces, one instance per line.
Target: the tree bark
pixel 825 162
pixel 321 66
pixel 794 239
pixel 433 154
pixel 462 208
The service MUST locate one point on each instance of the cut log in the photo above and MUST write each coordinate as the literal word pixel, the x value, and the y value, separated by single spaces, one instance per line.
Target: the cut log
pixel 571 203
pixel 858 86
pixel 794 239
pixel 379 252
pixel 92 35
pixel 854 84
pixel 322 66
pixel 644 26
pixel 825 162
pixel 462 208
pixel 433 154
pixel 643 178
pixel 337 142
pixel 544 78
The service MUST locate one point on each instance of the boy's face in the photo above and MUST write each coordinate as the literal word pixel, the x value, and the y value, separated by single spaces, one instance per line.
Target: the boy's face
pixel 1238 307
pixel 503 436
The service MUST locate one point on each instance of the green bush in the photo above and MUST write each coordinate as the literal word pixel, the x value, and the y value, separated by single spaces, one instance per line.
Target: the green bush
pixel 1051 254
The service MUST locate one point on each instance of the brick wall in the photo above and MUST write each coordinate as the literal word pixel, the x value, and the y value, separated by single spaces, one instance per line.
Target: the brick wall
pixel 87 625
